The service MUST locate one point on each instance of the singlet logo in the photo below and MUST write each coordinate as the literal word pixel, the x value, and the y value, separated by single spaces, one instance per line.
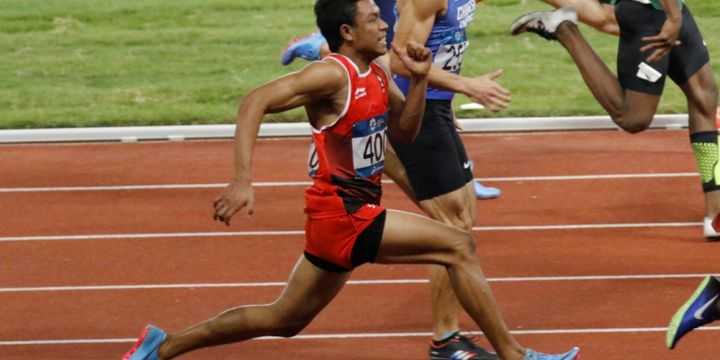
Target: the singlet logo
pixel 360 93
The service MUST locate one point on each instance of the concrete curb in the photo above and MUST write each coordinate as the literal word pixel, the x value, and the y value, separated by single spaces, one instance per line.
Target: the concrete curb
pixel 177 133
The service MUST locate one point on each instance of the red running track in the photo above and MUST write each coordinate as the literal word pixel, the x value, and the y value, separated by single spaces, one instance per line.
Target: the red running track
pixel 165 237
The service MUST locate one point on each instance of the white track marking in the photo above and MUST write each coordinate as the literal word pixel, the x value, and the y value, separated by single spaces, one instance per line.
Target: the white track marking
pixel 351 336
pixel 151 235
pixel 308 183
pixel 586 226
pixel 589 177
pixel 351 282
pixel 302 232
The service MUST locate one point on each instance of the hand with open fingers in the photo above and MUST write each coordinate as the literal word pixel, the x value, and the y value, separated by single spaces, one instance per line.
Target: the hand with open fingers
pixel 664 41
pixel 416 58
pixel 485 90
pixel 237 197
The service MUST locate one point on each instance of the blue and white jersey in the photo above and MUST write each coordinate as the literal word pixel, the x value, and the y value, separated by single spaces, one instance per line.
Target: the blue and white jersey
pixel 448 42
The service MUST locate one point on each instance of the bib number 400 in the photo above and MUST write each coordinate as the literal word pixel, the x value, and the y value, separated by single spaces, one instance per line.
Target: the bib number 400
pixel 369 153
pixel 375 148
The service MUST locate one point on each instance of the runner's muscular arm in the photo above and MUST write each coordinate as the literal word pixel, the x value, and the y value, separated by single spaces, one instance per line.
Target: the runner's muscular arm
pixel 406 113
pixel 415 23
pixel 394 168
pixel 315 82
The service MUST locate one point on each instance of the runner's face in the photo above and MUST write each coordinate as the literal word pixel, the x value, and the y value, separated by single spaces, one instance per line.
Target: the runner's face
pixel 370 31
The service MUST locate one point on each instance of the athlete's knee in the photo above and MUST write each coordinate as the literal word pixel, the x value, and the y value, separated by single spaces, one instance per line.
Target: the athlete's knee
pixel 289 326
pixel 461 220
pixel 463 247
pixel 632 123
pixel 289 330
pixel 281 321
pixel 457 214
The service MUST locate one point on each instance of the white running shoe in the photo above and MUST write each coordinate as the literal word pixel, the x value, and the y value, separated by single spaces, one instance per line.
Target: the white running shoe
pixel 543 23
pixel 710 229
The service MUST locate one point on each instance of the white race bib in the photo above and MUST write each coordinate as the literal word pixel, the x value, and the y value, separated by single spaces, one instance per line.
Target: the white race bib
pixel 450 57
pixel 369 139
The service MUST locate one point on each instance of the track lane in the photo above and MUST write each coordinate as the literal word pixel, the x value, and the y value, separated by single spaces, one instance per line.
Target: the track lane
pixel 514 154
pixel 358 309
pixel 522 253
pixel 270 259
pixel 190 210
pixel 698 346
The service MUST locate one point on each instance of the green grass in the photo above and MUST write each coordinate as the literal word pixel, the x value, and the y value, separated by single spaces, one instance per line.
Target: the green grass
pixel 129 62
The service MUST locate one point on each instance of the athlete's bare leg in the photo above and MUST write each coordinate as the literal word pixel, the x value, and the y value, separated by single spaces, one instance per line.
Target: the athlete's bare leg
pixel 702 99
pixel 410 238
pixel 457 209
pixel 407 239
pixel 593 13
pixel 631 110
pixel 308 291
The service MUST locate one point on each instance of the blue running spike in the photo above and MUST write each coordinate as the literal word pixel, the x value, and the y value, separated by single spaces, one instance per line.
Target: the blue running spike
pixel 307 47
pixel 534 355
pixel 701 308
pixel 485 192
pixel 147 345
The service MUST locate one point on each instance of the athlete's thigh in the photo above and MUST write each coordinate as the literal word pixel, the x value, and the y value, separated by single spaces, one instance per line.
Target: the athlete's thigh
pixel 457 207
pixel 692 55
pixel 309 290
pixel 640 108
pixel 414 239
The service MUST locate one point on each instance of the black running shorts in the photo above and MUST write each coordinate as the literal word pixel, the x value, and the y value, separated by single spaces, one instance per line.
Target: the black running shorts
pixel 638 20
pixel 436 163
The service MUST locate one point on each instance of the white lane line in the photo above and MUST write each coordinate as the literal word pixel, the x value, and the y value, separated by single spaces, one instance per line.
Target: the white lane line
pixel 637 330
pixel 351 282
pixel 302 232
pixel 307 183
pixel 586 226
pixel 590 177
pixel 151 235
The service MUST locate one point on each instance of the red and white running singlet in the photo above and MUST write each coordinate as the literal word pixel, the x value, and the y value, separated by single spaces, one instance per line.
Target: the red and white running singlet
pixel 347 157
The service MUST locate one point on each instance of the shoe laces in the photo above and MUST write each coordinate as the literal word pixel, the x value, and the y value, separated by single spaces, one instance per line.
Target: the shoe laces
pixel 541 30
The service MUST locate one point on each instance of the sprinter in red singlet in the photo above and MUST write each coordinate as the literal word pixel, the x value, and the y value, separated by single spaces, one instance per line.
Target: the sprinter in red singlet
pixel 352 107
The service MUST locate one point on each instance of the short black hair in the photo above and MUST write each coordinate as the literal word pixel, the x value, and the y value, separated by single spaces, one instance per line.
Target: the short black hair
pixel 330 15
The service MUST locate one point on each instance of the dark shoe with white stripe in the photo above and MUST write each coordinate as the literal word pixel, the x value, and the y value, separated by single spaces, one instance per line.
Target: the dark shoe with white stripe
pixel 460 347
